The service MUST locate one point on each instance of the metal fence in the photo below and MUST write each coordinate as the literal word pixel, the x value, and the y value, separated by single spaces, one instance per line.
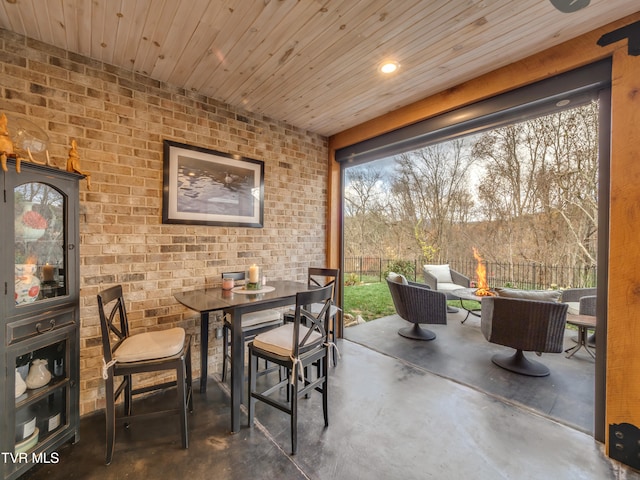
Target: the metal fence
pixel 517 275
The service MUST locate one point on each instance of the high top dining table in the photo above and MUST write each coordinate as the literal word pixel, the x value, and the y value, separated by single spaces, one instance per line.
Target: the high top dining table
pixel 210 299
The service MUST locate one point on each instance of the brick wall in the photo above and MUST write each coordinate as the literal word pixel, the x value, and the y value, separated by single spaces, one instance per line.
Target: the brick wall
pixel 119 120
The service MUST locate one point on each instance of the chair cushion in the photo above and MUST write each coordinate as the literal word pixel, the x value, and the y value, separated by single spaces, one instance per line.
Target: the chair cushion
pixel 397 278
pixel 317 307
pixel 150 345
pixel 441 272
pixel 280 340
pixel 541 295
pixel 448 287
pixel 262 316
pixel 574 308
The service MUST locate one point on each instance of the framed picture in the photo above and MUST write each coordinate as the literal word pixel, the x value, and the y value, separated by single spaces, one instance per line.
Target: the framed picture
pixel 205 187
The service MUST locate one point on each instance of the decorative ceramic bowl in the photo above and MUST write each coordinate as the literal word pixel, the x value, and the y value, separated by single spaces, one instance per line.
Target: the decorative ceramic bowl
pixel 29 443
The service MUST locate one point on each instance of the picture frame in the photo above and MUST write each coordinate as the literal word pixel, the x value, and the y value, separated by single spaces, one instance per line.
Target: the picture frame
pixel 207 187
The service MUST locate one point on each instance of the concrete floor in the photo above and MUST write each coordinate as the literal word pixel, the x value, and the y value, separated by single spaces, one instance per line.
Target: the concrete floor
pixel 390 418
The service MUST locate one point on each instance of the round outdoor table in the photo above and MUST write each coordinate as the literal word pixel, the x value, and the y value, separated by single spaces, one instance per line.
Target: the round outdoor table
pixel 584 324
pixel 468 294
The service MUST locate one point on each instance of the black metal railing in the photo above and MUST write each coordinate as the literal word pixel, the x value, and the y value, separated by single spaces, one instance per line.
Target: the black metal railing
pixel 517 275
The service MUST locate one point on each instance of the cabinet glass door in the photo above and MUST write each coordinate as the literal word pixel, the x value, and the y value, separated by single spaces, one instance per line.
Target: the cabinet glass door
pixel 40 255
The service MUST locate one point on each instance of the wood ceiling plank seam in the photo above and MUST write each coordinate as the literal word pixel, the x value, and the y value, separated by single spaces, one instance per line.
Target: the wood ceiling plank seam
pixel 276 49
pixel 204 57
pixel 152 35
pixel 179 32
pixel 77 18
pixel 6 12
pixel 179 40
pixel 337 70
pixel 250 48
pixel 127 40
pixel 205 35
pixel 225 43
pixel 45 19
pixel 97 31
pixel 28 20
pixel 59 27
pixel 300 71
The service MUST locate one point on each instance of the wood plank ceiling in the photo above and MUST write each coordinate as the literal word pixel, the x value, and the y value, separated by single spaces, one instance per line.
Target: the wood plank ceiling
pixel 311 63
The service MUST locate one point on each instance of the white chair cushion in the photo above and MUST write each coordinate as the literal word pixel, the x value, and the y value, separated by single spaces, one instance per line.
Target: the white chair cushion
pixel 448 287
pixel 574 308
pixel 280 340
pixel 150 345
pixel 540 295
pixel 441 272
pixel 397 278
pixel 257 318
pixel 316 308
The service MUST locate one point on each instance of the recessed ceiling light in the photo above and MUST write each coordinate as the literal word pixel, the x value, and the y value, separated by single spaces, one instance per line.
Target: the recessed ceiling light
pixel 562 103
pixel 389 67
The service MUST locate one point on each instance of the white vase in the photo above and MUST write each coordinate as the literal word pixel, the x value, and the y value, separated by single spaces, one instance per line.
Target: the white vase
pixel 39 374
pixel 21 387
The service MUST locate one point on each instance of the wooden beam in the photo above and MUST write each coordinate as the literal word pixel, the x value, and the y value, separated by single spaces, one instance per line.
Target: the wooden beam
pixel 623 332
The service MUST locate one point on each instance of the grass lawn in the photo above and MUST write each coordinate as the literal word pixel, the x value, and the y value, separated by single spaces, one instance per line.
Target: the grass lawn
pixel 369 300
pixel 373 300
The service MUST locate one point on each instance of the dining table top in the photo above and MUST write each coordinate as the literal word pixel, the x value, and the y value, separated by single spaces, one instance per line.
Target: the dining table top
pixel 208 299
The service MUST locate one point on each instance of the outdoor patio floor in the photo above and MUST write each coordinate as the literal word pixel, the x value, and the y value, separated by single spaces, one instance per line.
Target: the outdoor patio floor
pixel 462 354
pixel 394 414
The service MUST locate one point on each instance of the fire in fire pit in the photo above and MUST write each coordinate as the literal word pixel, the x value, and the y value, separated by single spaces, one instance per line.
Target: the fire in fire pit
pixel 481 272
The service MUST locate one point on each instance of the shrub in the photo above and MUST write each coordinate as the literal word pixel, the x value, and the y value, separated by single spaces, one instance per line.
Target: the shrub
pixel 403 267
pixel 351 279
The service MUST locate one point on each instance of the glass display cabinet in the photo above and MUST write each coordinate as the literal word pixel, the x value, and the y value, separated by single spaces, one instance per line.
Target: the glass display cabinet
pixel 39 338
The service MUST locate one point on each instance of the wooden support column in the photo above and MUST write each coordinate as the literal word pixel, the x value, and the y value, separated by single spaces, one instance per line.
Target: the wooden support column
pixel 623 332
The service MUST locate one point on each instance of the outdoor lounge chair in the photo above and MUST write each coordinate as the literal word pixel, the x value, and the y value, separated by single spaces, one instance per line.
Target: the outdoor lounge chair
pixel 581 301
pixel 443 279
pixel 417 303
pixel 526 325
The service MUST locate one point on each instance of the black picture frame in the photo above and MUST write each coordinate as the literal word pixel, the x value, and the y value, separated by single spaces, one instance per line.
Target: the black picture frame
pixel 207 187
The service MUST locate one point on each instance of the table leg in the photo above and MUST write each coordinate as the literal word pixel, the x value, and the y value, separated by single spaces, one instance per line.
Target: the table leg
pixel 237 369
pixel 204 350
pixel 582 342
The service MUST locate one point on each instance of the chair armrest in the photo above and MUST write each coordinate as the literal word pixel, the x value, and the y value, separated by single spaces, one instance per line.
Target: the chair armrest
pixel 430 280
pixel 460 279
pixel 588 305
pixel 575 294
pixel 420 285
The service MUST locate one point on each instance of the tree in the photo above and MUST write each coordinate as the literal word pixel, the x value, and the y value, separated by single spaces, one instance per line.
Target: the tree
pixel 430 190
pixel 364 205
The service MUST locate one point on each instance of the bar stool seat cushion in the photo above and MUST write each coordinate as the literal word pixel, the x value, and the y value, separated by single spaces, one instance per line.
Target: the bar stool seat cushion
pixel 279 341
pixel 263 316
pixel 150 345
